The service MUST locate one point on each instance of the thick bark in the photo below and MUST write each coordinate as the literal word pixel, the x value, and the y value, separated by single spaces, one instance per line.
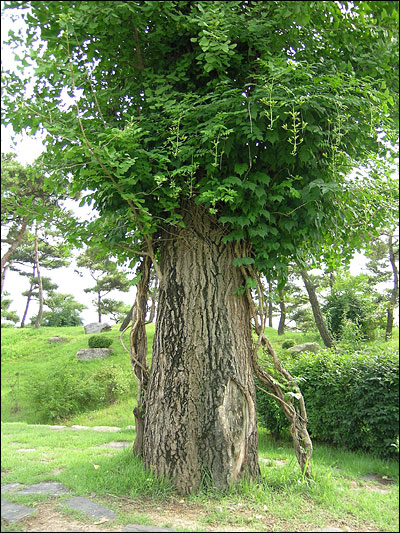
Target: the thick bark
pixel 282 319
pixel 318 317
pixel 40 284
pixel 200 421
pixel 395 291
pixel 10 252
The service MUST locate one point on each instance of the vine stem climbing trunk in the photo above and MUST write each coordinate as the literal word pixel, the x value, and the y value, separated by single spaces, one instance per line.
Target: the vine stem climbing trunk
pixel 200 418
pixel 290 400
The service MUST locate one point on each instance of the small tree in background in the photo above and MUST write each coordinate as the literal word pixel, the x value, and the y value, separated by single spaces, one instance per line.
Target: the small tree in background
pixel 25 202
pixel 383 256
pixel 353 302
pixel 106 275
pixel 64 311
pixel 114 308
pixel 6 314
pixel 52 253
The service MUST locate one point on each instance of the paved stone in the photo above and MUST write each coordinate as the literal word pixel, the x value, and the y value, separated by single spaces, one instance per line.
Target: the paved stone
pixel 12 512
pixel 90 508
pixel 109 429
pixel 49 487
pixel 96 327
pixel 10 486
pixel 383 480
pixel 57 339
pixel 306 347
pixel 116 444
pixel 138 527
pixel 105 428
pixel 87 354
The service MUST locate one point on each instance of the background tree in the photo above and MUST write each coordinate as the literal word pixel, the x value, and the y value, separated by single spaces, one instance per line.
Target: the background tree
pixel 352 299
pixel 6 314
pixel 52 253
pixel 64 311
pixel 107 278
pixel 383 256
pixel 217 139
pixel 114 308
pixel 24 201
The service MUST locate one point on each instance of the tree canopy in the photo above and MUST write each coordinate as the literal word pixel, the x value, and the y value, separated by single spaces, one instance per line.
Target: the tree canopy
pixel 258 111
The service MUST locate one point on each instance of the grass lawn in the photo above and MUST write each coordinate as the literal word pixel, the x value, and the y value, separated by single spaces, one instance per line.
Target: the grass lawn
pixel 351 491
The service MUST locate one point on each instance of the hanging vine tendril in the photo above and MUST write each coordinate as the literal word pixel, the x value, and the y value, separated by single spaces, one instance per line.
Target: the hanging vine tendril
pixel 294 412
pixel 138 349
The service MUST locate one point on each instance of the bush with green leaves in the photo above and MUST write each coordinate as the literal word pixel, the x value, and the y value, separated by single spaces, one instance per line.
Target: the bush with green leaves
pixel 352 399
pixel 288 344
pixel 70 390
pixel 97 341
pixel 113 381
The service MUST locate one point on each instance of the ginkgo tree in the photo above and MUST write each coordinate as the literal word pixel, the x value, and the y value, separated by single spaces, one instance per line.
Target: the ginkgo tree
pixel 216 141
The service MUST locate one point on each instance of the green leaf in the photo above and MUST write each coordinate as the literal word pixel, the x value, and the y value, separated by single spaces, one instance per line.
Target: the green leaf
pixel 238 261
pixel 241 168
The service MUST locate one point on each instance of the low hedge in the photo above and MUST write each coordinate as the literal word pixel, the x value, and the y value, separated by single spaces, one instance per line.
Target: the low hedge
pixel 352 399
pixel 97 341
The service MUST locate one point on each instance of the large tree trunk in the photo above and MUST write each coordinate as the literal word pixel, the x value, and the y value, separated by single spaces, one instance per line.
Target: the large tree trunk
pixel 200 421
pixel 395 291
pixel 40 285
pixel 318 317
pixel 282 319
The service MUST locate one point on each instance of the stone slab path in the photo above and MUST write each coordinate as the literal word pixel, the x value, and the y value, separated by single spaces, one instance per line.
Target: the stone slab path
pixel 90 508
pixel 14 512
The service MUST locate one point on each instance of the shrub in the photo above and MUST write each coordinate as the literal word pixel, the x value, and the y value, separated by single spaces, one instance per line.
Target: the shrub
pixel 68 391
pixel 97 341
pixel 114 382
pixel 288 344
pixel 352 399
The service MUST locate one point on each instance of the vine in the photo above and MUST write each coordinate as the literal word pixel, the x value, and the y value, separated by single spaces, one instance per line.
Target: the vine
pixel 297 415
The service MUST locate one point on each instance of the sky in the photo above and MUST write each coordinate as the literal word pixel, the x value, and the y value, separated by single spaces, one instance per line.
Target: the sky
pixel 28 149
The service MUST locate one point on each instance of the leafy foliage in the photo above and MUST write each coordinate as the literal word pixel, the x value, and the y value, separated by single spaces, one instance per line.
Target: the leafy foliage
pixel 6 313
pixel 353 300
pixel 64 311
pixel 247 108
pixel 68 390
pixel 352 399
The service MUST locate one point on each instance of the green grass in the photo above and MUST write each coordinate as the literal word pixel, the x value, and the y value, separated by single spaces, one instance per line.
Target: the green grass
pixel 337 495
pixel 26 353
